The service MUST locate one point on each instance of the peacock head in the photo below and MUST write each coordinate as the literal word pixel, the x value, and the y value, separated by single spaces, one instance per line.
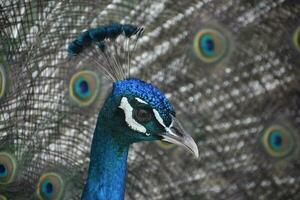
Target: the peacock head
pixel 141 112
pixel 135 110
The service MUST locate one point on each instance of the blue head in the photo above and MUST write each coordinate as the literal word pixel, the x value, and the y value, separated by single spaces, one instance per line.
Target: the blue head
pixel 138 111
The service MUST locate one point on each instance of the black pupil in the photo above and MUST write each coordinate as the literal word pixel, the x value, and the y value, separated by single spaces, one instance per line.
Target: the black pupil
pixel 2 169
pixel 49 188
pixel 210 45
pixel 278 140
pixel 84 87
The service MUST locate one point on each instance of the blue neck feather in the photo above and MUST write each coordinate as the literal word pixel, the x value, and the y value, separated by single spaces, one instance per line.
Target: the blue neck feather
pixel 112 137
pixel 107 170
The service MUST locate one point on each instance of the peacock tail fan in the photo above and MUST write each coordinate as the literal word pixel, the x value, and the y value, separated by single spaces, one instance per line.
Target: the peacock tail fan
pixel 229 67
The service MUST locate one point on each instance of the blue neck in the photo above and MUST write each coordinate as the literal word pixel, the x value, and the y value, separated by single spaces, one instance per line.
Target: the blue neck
pixel 107 170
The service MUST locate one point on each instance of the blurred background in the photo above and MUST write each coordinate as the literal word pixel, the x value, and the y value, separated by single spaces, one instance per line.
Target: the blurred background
pixel 230 67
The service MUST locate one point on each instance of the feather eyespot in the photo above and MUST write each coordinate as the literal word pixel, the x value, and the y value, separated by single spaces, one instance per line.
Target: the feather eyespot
pixel 296 39
pixel 278 141
pixel 50 186
pixel 7 168
pixel 142 115
pixel 210 45
pixel 84 87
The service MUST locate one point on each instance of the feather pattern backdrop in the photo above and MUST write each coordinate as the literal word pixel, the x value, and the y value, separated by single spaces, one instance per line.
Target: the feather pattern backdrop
pixel 230 67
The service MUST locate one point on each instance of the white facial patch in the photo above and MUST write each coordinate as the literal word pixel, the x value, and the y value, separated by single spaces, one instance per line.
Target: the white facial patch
pixel 141 101
pixel 134 125
pixel 158 118
pixel 161 121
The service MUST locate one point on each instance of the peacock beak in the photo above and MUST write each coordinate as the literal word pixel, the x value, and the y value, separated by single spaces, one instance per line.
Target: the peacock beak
pixel 175 134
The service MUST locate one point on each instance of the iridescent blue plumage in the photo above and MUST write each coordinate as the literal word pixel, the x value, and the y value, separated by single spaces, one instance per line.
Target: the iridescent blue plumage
pixel 3 171
pixel 279 141
pixel 98 34
pixel 147 91
pixel 50 186
pixel 207 45
pixel 121 122
pixel 111 31
pixel 82 88
pixel 130 30
pixel 84 39
pixel 135 111
pixel 74 48
pixel 47 189
pixel 112 137
pixel 276 140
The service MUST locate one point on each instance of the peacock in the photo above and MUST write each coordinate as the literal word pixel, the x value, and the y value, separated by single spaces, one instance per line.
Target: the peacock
pixel 229 68
pixel 134 111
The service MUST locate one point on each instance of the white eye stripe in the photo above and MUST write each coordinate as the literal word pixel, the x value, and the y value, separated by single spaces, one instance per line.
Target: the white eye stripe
pixel 161 121
pixel 141 101
pixel 132 123
pixel 158 118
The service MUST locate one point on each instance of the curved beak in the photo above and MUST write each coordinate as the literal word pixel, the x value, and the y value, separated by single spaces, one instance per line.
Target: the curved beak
pixel 175 134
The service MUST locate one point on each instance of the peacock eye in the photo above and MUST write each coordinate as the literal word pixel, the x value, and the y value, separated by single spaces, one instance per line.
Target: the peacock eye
pixel 7 168
pixel 84 87
pixel 278 141
pixel 142 115
pixel 50 186
pixel 210 45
